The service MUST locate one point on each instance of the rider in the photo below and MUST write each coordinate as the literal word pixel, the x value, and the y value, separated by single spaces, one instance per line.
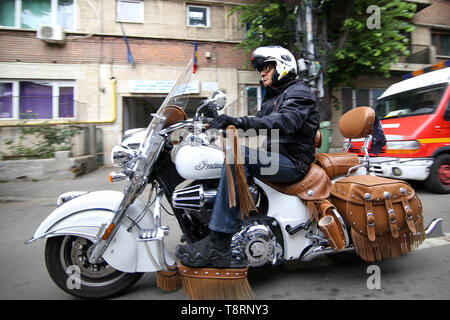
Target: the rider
pixel 289 106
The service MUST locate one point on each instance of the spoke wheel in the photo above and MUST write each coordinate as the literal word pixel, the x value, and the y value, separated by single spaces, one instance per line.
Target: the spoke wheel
pixel 68 265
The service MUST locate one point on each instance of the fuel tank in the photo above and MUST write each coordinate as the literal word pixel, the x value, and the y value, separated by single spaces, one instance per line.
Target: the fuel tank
pixel 199 161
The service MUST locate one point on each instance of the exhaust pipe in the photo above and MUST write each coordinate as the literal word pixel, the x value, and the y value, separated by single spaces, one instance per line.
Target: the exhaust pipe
pixel 434 229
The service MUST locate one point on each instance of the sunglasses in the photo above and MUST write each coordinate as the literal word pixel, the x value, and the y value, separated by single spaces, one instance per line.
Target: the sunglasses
pixel 266 68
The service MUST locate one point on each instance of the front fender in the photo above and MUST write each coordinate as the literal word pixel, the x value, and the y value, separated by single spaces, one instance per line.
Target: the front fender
pixel 84 216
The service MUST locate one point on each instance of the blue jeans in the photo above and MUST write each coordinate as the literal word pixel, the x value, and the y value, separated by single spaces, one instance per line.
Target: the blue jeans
pixel 225 219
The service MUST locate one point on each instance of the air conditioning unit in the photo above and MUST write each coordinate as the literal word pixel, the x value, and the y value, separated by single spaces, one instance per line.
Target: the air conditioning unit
pixel 51 34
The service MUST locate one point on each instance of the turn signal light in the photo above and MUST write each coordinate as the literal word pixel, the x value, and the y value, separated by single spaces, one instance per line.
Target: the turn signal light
pixel 108 231
pixel 116 176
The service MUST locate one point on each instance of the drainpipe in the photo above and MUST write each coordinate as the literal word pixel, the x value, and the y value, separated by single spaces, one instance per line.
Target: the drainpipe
pixel 113 83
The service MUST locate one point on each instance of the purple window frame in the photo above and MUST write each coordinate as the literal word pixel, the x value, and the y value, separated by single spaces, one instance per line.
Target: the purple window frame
pixel 6 100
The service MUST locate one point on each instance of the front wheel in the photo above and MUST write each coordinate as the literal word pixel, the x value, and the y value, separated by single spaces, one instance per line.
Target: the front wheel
pixel 67 263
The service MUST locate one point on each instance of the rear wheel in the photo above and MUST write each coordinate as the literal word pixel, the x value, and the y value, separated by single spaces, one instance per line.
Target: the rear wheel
pixel 67 263
pixel 439 179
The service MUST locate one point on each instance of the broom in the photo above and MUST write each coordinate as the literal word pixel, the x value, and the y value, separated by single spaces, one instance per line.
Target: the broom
pixel 215 284
pixel 170 280
pixel 224 284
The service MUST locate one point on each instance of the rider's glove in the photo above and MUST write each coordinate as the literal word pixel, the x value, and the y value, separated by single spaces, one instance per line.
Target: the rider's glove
pixel 223 120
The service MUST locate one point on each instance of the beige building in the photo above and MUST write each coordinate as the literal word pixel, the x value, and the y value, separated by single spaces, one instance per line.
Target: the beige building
pixel 67 61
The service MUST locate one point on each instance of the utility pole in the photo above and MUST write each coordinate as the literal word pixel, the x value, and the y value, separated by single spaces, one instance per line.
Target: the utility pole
pixel 309 68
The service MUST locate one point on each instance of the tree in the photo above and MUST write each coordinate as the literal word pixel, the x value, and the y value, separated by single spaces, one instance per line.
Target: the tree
pixel 267 23
pixel 350 40
pixel 362 46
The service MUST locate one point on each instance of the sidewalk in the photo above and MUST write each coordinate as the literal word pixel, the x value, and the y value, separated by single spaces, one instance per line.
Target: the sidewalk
pixel 19 190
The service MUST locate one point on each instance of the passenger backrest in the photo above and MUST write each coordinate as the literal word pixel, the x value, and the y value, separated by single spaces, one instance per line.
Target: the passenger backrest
pixel 357 123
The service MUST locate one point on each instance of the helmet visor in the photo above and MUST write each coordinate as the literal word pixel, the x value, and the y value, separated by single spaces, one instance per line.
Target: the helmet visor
pixel 259 62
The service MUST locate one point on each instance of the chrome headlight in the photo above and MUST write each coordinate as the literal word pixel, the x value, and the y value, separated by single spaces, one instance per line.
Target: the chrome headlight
pixel 122 156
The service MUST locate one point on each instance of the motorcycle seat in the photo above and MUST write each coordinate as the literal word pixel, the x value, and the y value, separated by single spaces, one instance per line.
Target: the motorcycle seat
pixel 336 164
pixel 316 185
pixel 354 124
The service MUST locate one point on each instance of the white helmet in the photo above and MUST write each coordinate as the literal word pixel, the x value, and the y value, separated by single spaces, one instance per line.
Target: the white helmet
pixel 285 64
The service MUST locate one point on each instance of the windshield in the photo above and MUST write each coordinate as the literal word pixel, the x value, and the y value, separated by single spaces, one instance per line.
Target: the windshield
pixel 178 96
pixel 153 142
pixel 410 103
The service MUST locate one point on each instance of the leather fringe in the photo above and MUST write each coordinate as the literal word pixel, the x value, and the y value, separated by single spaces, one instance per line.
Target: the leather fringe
pixel 245 198
pixel 385 246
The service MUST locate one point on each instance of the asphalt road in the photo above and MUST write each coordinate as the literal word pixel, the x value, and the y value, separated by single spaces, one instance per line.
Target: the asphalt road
pixel 422 274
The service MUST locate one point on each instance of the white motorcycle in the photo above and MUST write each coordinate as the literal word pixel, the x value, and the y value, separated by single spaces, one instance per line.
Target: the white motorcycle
pixel 109 238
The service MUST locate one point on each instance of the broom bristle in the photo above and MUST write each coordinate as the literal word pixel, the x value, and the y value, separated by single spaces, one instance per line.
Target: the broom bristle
pixel 215 284
pixel 168 281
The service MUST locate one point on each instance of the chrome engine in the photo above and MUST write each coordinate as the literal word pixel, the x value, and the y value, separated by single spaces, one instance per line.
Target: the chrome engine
pixel 259 244
pixel 255 239
pixel 193 198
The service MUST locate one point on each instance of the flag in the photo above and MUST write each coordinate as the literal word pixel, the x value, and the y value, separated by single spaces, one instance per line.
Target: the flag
pixel 378 138
pixel 129 54
pixel 194 67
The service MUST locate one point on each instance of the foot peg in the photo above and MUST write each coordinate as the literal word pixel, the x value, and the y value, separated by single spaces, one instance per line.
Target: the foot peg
pixel 302 226
pixel 153 234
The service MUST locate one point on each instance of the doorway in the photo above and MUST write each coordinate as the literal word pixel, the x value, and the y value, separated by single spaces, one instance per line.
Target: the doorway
pixel 137 111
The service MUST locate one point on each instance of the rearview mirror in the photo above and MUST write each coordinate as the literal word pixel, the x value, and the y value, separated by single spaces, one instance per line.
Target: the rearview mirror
pixel 220 99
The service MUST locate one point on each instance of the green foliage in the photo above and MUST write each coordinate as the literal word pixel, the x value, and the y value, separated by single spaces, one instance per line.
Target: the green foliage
pixel 268 23
pixel 360 50
pixel 47 139
pixel 351 48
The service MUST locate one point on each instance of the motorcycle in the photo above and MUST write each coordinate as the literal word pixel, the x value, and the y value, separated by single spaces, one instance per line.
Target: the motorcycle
pixel 100 243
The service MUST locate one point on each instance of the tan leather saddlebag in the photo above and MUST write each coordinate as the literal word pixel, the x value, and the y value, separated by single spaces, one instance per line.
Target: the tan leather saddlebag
pixel 385 215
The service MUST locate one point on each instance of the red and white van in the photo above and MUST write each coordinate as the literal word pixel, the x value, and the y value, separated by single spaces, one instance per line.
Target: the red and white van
pixel 415 116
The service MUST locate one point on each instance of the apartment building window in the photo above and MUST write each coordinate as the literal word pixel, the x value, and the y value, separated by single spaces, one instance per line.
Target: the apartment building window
pixel 353 98
pixel 197 16
pixel 29 14
pixel 441 40
pixel 130 11
pixel 37 99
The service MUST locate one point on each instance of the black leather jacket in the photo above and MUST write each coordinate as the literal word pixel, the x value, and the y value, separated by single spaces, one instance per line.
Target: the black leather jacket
pixel 290 108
